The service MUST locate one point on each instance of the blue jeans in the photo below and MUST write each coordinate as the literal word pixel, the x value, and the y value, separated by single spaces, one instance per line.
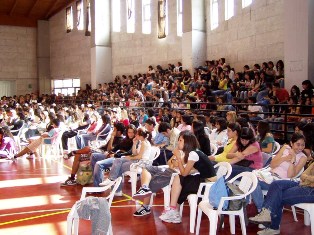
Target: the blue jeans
pixel 119 166
pixel 257 195
pixel 285 192
pixel 99 168
pixel 82 140
pixel 239 169
pixel 95 157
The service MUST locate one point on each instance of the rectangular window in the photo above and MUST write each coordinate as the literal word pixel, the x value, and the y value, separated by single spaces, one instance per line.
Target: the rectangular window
pixel 116 15
pixel 162 19
pixel 179 17
pixel 229 9
pixel 146 17
pixel 214 14
pixel 88 22
pixel 79 15
pixel 130 8
pixel 246 3
pixel 69 19
pixel 67 87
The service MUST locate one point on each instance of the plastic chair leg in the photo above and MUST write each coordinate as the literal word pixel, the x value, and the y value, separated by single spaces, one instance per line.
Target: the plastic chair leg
pixel 232 224
pixel 192 198
pixel 213 219
pixel 198 222
pixel 294 213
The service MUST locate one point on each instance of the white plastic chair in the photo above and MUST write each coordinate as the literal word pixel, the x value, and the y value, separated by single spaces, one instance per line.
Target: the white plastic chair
pixel 17 137
pixel 213 149
pixel 276 148
pixel 247 184
pixel 166 190
pixel 55 147
pixel 308 214
pixel 224 169
pixel 136 169
pixel 73 218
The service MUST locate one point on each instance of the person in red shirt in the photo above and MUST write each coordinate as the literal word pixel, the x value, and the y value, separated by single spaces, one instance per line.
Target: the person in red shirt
pixel 281 93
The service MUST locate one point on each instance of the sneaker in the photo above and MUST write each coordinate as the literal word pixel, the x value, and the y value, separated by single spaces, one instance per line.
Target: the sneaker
pixel 142 193
pixel 65 156
pixel 262 217
pixel 261 226
pixel 118 193
pixel 106 182
pixel 171 216
pixel 69 182
pixel 142 211
pixel 268 231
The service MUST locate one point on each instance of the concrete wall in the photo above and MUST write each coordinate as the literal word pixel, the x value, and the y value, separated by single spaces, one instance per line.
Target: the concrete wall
pixel 133 53
pixel 70 53
pixel 18 57
pixel 253 35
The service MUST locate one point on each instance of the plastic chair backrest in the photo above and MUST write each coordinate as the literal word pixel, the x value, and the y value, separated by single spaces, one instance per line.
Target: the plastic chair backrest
pixel 247 183
pixel 224 169
pixel 154 153
pixel 276 148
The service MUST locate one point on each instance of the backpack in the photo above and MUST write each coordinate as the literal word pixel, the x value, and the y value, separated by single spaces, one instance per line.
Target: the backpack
pixel 217 191
pixel 223 189
pixel 220 189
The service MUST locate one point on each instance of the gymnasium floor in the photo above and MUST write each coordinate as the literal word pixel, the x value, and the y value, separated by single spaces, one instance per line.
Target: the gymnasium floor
pixel 32 203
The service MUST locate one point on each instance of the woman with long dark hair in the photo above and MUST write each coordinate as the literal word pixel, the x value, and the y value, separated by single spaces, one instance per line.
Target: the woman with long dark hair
pixel 265 139
pixel 246 154
pixel 203 140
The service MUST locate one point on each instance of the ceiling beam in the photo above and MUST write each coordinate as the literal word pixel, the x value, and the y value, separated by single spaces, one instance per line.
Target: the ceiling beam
pixel 51 8
pixel 16 20
pixel 65 4
pixel 13 8
pixel 32 8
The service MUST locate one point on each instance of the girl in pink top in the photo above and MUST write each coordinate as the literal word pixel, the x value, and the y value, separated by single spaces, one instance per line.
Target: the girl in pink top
pixel 246 154
pixel 290 160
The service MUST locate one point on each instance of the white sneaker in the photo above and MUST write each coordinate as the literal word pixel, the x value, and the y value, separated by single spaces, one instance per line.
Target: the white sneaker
pixel 269 231
pixel 261 226
pixel 262 217
pixel 106 182
pixel 171 216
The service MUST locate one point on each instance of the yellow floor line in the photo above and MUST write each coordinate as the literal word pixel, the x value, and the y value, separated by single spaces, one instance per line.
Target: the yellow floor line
pixel 34 217
pixel 49 214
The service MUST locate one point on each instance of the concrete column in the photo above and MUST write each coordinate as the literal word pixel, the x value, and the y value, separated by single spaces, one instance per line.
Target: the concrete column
pixel 101 52
pixel 43 57
pixel 194 34
pixel 298 42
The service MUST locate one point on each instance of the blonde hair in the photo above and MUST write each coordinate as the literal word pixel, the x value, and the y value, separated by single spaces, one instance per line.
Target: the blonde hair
pixel 233 116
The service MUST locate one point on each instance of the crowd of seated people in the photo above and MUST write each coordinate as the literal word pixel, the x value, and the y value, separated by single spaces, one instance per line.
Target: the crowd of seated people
pixel 163 108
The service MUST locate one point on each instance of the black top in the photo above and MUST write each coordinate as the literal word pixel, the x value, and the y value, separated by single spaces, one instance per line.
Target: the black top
pixel 204 166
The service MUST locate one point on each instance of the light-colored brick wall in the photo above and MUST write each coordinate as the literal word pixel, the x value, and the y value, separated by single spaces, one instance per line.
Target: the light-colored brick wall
pixel 70 53
pixel 133 53
pixel 18 58
pixel 253 35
